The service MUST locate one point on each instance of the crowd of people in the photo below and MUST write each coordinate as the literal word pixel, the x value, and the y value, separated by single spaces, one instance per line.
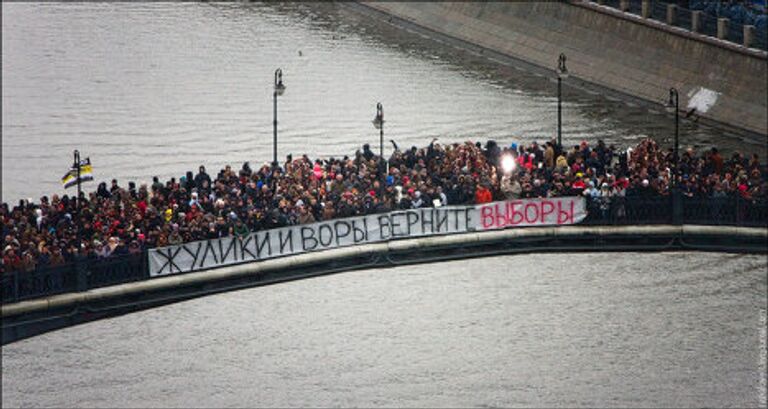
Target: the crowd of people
pixel 119 220
pixel 739 12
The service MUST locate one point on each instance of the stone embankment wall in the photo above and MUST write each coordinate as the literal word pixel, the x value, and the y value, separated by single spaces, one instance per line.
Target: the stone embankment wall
pixel 626 53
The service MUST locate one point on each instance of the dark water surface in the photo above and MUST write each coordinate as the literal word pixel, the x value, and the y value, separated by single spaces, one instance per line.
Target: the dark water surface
pixel 575 330
pixel 150 89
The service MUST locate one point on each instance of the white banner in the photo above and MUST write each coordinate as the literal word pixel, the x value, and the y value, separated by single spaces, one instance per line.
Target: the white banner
pixel 261 245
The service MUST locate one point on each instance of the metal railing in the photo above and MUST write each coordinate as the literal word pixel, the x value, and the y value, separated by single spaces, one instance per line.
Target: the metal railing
pixel 44 281
pixel 657 10
pixel 87 274
pixel 726 211
pixel 622 211
pixel 81 275
pixel 116 270
pixel 731 211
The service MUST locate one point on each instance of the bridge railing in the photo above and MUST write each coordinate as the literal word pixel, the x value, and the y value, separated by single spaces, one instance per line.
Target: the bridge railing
pixel 732 211
pixel 87 274
pixel 43 281
pixel 623 211
pixel 116 270
pixel 75 276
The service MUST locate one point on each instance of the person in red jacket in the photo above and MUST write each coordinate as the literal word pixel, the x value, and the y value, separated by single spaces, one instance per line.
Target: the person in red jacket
pixel 483 195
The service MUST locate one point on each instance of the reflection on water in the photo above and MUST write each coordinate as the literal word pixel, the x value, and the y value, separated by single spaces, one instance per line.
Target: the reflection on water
pixel 544 330
pixel 150 89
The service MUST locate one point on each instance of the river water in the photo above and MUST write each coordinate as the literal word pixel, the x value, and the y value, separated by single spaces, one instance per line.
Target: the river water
pixel 545 330
pixel 148 89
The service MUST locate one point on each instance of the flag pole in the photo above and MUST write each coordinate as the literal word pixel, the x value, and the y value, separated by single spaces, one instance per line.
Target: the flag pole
pixel 77 166
pixel 77 202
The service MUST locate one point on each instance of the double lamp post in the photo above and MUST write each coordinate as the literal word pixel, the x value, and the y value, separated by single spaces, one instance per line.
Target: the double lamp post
pixel 279 90
pixel 673 105
pixel 562 73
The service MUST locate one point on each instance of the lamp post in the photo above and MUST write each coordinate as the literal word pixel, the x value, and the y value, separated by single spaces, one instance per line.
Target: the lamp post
pixel 562 72
pixel 279 90
pixel 673 105
pixel 378 123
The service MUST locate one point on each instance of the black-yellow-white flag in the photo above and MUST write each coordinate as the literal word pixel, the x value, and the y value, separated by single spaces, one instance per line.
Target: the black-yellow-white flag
pixel 70 179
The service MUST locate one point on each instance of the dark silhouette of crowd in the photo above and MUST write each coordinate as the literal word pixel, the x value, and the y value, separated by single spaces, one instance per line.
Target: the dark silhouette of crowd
pixel 738 12
pixel 117 220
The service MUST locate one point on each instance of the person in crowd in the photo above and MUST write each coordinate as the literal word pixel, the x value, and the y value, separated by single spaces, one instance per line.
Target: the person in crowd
pixel 483 195
pixel 240 229
pixel 202 179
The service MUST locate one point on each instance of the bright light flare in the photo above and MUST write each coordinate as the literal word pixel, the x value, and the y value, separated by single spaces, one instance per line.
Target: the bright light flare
pixel 508 164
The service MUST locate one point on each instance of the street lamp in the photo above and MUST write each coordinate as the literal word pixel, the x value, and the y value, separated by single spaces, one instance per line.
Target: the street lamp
pixel 279 90
pixel 673 105
pixel 562 72
pixel 378 123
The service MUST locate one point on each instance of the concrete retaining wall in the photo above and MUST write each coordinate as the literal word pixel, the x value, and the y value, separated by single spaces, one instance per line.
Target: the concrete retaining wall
pixel 622 52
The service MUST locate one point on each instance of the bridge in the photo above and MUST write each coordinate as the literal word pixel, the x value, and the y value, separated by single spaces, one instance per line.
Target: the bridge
pixel 37 301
